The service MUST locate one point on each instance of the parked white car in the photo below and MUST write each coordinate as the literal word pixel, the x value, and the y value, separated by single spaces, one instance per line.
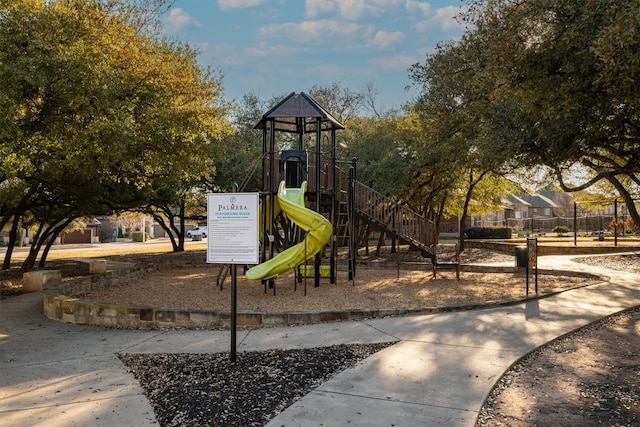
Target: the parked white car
pixel 197 231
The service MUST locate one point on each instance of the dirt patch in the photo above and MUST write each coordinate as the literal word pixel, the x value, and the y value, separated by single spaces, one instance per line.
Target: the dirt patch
pixel 383 280
pixel 373 288
pixel 11 280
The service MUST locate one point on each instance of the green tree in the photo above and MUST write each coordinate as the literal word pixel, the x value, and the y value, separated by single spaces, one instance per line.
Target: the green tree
pixel 97 105
pixel 565 90
pixel 241 162
pixel 460 151
pixel 384 156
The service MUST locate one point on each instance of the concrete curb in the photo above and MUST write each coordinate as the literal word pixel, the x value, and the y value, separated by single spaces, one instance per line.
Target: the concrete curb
pixel 548 249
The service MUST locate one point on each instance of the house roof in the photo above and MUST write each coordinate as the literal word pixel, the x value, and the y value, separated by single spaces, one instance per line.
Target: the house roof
pixel 299 113
pixel 531 200
pixel 513 200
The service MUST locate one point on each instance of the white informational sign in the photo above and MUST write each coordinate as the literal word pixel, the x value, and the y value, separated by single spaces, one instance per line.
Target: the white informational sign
pixel 232 219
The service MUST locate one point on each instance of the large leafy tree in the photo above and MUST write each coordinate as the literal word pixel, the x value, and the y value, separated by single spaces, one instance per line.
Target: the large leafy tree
pixel 532 83
pixel 97 106
pixel 565 90
pixel 241 163
pixel 385 149
pixel 459 151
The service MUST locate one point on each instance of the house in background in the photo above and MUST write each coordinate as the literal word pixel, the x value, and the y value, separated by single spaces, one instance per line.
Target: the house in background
pixel 517 211
pixel 536 213
pixel 91 233
pixel 525 206
pixel 540 213
pixel 113 228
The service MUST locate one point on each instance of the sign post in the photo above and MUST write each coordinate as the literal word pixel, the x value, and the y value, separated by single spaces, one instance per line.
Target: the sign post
pixel 532 261
pixel 232 219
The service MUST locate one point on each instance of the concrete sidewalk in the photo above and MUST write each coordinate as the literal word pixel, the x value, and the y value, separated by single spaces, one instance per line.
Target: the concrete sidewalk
pixel 439 372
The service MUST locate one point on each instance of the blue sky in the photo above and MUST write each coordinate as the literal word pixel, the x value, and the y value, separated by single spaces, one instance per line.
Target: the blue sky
pixel 274 47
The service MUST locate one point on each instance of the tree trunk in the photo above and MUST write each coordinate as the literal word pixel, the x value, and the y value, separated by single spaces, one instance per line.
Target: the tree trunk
pixel 168 229
pixel 5 219
pixel 381 242
pixel 182 230
pixel 438 218
pixel 50 238
pixel 13 235
pixel 624 193
pixel 30 261
pixel 465 209
pixel 628 200
pixel 43 259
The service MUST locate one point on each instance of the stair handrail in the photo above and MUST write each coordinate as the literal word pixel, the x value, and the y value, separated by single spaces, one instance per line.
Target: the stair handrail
pixel 400 219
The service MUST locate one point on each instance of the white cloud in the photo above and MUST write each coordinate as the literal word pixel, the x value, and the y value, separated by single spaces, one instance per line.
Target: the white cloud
pixel 443 19
pixel 384 39
pixel 447 18
pixel 357 9
pixel 178 19
pixel 353 9
pixel 315 8
pixel 238 4
pixel 271 51
pixel 387 3
pixel 395 62
pixel 414 6
pixel 308 31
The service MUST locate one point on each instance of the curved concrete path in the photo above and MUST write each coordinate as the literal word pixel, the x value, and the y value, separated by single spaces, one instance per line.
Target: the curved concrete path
pixel 439 373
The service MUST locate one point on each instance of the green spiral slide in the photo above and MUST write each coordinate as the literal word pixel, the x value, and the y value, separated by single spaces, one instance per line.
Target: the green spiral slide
pixel 318 233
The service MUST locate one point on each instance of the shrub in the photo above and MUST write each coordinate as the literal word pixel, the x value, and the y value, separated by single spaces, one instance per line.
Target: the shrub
pixel 624 227
pixel 560 229
pixel 488 233
pixel 137 236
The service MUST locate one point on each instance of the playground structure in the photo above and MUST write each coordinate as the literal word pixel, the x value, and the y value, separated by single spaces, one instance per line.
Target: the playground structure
pixel 311 202
pixel 316 227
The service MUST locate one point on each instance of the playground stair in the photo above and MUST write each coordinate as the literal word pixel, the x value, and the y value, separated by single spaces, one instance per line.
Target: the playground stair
pixel 381 213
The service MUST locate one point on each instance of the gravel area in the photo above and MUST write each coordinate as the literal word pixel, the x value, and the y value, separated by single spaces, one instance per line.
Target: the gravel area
pixel 623 262
pixel 588 378
pixel 208 390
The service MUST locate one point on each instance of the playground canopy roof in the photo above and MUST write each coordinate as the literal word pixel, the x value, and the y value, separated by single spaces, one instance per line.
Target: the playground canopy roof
pixel 298 113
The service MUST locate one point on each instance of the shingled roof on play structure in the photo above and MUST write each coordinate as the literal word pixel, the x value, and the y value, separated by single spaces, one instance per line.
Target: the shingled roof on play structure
pixel 298 113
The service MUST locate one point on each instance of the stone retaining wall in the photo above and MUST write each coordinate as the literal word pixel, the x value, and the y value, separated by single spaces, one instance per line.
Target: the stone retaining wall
pixel 61 304
pixel 75 310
